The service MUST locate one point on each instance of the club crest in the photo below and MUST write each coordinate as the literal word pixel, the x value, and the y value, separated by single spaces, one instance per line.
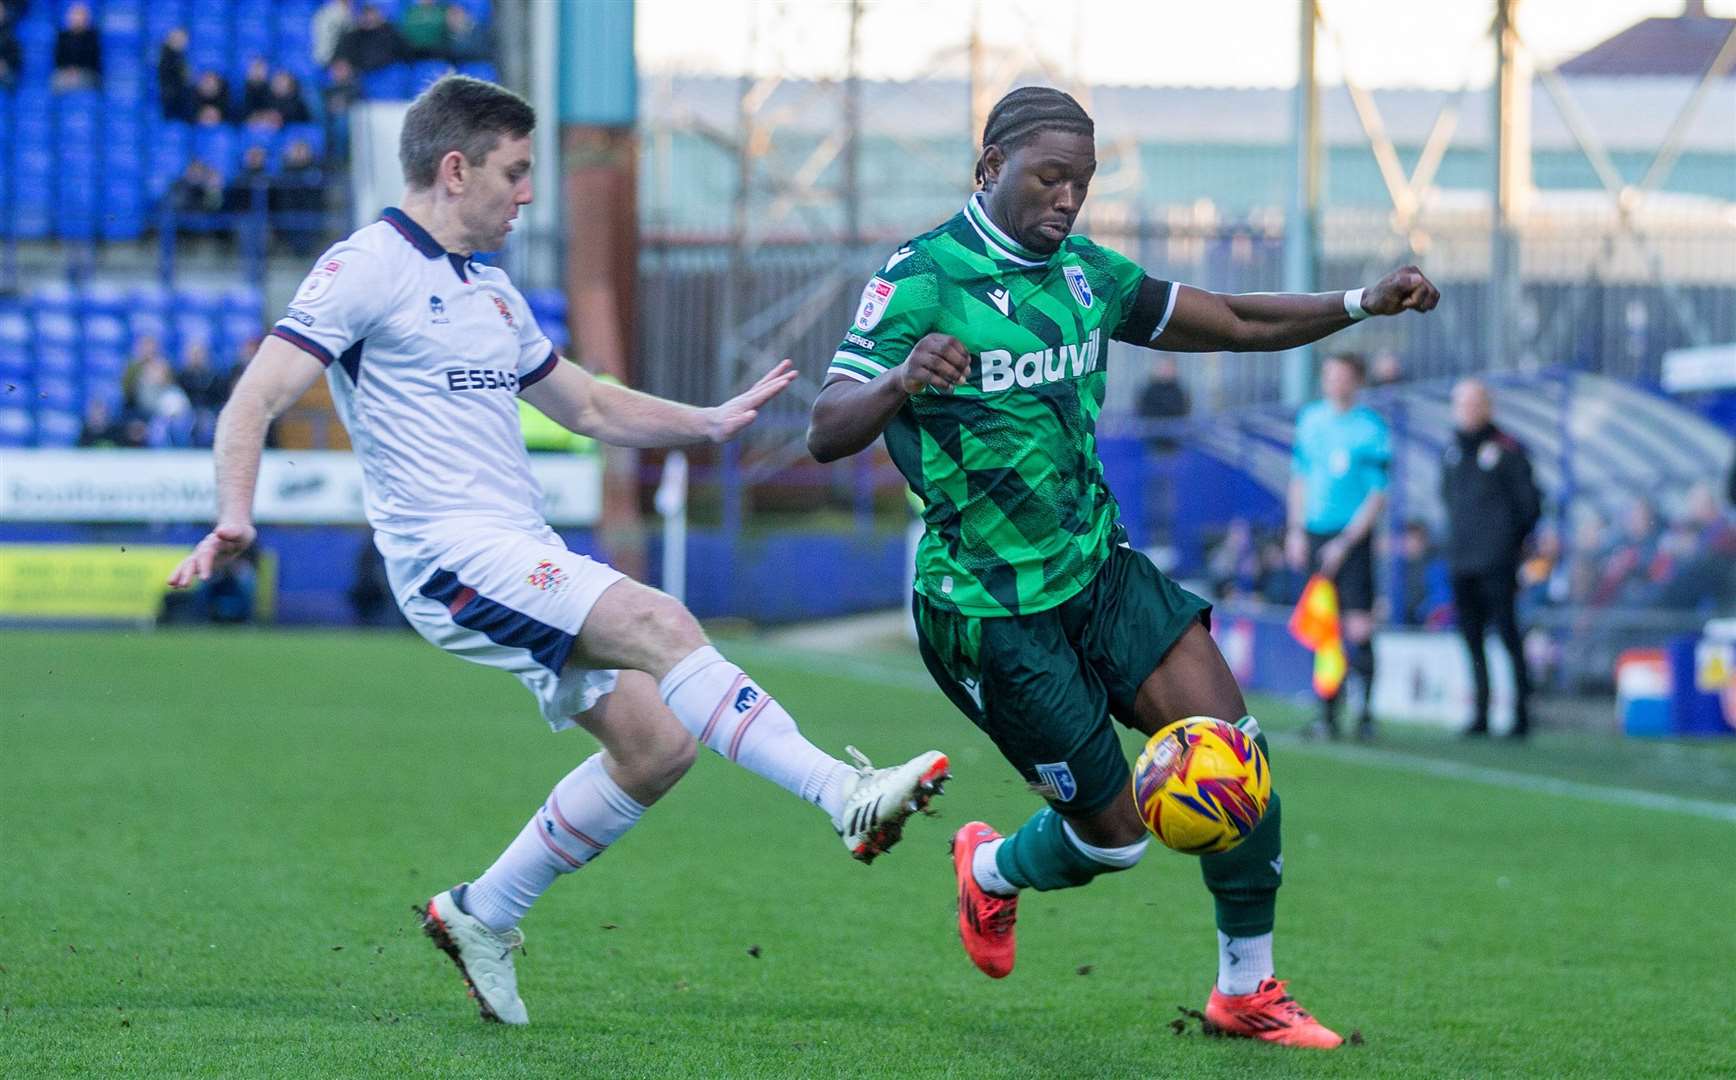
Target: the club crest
pixel 1076 282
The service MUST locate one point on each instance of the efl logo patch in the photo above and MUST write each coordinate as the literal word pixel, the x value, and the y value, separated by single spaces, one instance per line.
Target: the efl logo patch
pixel 1056 782
pixel 875 298
pixel 1077 283
pixel 547 576
pixel 505 312
pixel 320 280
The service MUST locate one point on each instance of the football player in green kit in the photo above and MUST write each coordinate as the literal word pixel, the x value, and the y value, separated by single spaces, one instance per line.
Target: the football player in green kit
pixel 979 351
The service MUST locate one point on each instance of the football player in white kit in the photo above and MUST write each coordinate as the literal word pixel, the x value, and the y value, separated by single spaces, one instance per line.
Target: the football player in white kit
pixel 426 352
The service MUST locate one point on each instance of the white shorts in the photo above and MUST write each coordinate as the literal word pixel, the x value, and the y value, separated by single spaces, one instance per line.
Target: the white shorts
pixel 515 601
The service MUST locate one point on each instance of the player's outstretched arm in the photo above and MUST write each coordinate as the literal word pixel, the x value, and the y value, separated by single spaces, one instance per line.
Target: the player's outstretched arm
pixel 848 415
pixel 276 378
pixel 1265 322
pixel 571 397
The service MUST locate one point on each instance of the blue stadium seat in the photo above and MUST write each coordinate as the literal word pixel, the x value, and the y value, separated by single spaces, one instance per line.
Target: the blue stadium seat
pixel 191 326
pixel 481 69
pixel 17 426
pixel 59 392
pixel 99 299
pixel 246 299
pixel 17 357
pixel 161 16
pixel 103 362
pixel 122 18
pixel 106 389
pixel 390 83
pixel 55 322
pixel 312 134
pixel 56 358
pixel 219 147
pixel 148 323
pixel 238 329
pixel 55 427
pixel 424 72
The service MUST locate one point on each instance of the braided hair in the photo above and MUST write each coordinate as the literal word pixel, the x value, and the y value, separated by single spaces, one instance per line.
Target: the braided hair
pixel 1017 119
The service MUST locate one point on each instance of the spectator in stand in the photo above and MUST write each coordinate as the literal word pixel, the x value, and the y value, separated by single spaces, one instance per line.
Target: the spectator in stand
pixel 1233 565
pixel 100 427
pixel 206 390
pixel 1696 567
pixel 1631 570
pixel 154 396
pixel 341 93
pixel 255 90
pixel 174 76
pixel 1428 593
pixel 329 23
pixel 210 102
pixel 1542 576
pixel 287 100
pixel 11 54
pixel 77 52
pixel 1279 582
pixel 145 349
pixel 298 193
pixel 1730 484
pixel 198 190
pixel 372 43
pixel 1163 398
pixel 467 42
pixel 1386 369
pixel 423 28
pixel 1585 555
pixel 249 188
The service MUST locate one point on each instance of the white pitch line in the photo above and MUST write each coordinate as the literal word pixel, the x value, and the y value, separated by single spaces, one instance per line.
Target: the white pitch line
pixel 892 674
pixel 1518 781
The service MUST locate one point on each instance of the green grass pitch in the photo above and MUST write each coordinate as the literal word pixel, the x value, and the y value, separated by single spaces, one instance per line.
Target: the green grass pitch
pixel 211 842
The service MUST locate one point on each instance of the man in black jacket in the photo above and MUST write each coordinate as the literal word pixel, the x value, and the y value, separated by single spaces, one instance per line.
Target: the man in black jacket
pixel 1492 505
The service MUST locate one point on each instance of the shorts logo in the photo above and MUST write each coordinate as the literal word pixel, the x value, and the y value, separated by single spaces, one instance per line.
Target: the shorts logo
pixel 875 297
pixel 437 310
pixel 1057 778
pixel 320 280
pixel 547 576
pixel 1077 283
pixel 745 697
pixel 505 312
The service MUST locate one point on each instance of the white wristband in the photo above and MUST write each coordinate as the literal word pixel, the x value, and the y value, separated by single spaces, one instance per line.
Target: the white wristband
pixel 1353 305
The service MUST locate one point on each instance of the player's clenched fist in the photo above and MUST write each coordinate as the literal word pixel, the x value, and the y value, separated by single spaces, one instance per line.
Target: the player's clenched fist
pixel 938 360
pixel 1405 289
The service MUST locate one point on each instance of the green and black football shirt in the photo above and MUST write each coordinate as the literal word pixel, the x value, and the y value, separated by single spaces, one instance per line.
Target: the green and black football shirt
pixel 1018 516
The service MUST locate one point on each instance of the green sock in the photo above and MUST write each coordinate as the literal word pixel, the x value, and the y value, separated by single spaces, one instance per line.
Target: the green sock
pixel 1244 880
pixel 1040 856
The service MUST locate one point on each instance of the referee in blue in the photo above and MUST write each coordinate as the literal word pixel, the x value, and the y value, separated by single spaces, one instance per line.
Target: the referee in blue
pixel 1337 493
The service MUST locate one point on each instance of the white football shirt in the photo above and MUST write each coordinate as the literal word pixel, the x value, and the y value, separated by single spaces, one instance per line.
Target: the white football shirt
pixel 426 352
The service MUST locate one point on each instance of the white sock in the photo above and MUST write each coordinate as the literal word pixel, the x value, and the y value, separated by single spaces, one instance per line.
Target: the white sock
pixel 585 813
pixel 1243 963
pixel 987 871
pixel 728 712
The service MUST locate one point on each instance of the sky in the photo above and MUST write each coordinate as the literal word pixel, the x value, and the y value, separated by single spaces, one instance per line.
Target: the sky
pixel 1378 43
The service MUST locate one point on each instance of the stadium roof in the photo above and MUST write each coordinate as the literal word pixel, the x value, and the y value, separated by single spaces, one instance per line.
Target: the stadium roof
pixel 1683 46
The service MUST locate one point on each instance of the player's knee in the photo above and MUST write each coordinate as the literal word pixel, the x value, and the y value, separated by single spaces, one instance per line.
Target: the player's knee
pixel 668 622
pixel 654 764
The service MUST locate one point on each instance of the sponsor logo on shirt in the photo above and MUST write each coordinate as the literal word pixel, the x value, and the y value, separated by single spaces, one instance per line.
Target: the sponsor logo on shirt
pixel 505 312
pixel 875 297
pixel 547 576
pixel 316 283
pixel 1000 370
pixel 481 379
pixel 299 316
pixel 858 340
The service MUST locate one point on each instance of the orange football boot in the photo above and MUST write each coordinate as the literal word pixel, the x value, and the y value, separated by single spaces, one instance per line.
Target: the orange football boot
pixel 1271 1015
pixel 985 921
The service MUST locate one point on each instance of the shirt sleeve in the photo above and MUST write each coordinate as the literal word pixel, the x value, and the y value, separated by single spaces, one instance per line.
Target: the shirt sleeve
pixel 536 353
pixel 892 315
pixel 338 304
pixel 1143 303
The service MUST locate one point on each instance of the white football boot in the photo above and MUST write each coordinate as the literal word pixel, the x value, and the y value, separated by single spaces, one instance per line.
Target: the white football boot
pixel 483 957
pixel 877 801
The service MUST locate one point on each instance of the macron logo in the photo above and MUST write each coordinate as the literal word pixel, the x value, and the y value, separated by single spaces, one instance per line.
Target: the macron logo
pixel 897 257
pixel 1001 300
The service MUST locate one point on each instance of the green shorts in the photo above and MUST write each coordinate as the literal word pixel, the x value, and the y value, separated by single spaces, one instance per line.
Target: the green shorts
pixel 1045 686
